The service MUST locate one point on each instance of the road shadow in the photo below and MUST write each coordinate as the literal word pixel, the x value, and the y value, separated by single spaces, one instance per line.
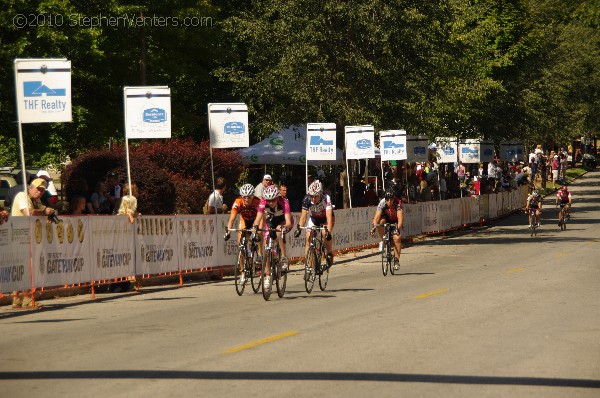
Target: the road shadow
pixel 306 376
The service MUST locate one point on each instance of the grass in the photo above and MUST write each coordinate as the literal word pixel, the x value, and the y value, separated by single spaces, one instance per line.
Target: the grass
pixel 572 174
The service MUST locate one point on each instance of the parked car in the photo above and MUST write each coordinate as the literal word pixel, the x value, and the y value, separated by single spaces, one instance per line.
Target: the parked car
pixel 6 182
pixel 589 161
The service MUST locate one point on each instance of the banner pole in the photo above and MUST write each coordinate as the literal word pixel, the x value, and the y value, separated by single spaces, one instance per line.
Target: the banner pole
pixel 349 187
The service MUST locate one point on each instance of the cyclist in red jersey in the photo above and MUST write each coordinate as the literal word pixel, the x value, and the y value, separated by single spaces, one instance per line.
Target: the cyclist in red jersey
pixel 246 205
pixel 390 209
pixel 563 199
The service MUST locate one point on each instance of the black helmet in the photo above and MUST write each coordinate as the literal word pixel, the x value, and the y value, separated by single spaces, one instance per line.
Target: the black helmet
pixel 389 194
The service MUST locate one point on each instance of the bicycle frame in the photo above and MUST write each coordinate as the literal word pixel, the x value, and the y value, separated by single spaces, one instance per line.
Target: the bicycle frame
pixel 247 252
pixel 313 261
pixel 272 264
pixel 388 252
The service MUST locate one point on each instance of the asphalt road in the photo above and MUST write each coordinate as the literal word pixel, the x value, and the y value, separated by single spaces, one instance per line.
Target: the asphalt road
pixel 483 313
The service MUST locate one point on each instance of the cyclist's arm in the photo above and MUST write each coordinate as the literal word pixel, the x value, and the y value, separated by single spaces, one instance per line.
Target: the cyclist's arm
pixel 258 219
pixel 302 221
pixel 377 218
pixel 400 214
pixel 231 217
pixel 329 215
pixel 288 221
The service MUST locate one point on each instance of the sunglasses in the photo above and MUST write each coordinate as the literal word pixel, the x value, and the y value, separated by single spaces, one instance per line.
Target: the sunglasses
pixel 246 197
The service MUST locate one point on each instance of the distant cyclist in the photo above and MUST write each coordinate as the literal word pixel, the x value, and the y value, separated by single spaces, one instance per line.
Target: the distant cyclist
pixel 317 210
pixel 390 210
pixel 563 199
pixel 274 211
pixel 534 201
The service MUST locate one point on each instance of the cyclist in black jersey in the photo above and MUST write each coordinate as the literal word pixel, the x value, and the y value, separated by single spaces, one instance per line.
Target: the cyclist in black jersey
pixel 391 211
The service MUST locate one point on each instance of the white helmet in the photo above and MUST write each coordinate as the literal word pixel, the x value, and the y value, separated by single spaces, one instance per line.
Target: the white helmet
pixel 270 192
pixel 247 190
pixel 316 188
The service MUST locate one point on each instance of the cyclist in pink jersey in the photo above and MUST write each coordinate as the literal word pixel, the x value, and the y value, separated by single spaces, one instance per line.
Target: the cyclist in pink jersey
pixel 275 210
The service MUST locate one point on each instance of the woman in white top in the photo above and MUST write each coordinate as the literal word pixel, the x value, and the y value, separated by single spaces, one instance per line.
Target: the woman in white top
pixel 128 206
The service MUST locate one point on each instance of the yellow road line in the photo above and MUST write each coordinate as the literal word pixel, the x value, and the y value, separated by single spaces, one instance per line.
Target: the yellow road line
pixel 261 341
pixel 432 293
pixel 512 271
pixel 559 255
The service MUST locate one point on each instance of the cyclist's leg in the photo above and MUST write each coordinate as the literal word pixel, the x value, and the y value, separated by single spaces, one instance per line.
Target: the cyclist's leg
pixel 397 243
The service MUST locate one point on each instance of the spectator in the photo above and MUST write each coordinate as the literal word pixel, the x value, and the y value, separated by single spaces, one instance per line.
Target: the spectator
pixel 283 191
pixel 98 203
pixel 115 191
pixel 555 166
pixel 3 215
pixel 50 197
pixel 215 201
pixel 461 172
pixel 77 205
pixel 13 191
pixel 266 181
pixel 563 166
pixel 424 192
pixel 128 205
pixel 29 204
pixel 493 174
pixel 371 198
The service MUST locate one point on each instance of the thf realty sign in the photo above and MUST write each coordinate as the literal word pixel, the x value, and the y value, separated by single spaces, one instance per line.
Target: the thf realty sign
pixel 43 89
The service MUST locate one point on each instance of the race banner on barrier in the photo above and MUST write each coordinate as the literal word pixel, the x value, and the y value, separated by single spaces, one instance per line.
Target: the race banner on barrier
pixel 445 214
pixel 197 246
pixel 15 263
pixel 156 245
pixel 362 222
pixel 456 212
pixel 430 217
pixel 61 252
pixel 112 247
pixel 342 236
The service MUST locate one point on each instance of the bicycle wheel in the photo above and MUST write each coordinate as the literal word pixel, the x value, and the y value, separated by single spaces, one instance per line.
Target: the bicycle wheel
pixel 255 271
pixel 239 285
pixel 391 256
pixel 267 287
pixel 564 219
pixel 281 280
pixel 310 270
pixel 323 274
pixel 384 259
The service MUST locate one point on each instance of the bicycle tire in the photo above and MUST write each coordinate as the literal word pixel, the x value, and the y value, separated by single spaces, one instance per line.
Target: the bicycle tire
pixel 255 272
pixel 311 262
pixel 391 256
pixel 266 290
pixel 239 286
pixel 281 280
pixel 323 274
pixel 384 260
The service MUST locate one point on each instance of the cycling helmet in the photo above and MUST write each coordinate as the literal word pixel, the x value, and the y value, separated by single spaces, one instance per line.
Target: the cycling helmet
pixel 316 188
pixel 389 194
pixel 534 194
pixel 564 188
pixel 270 192
pixel 247 190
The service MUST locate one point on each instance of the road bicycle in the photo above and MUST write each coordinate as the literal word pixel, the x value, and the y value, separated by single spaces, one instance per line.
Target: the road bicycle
pixel 245 265
pixel 534 225
pixel 272 265
pixel 313 263
pixel 387 251
pixel 563 217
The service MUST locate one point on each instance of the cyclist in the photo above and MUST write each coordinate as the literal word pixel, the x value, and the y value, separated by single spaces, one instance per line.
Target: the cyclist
pixel 275 210
pixel 563 198
pixel 534 201
pixel 317 210
pixel 247 206
pixel 391 210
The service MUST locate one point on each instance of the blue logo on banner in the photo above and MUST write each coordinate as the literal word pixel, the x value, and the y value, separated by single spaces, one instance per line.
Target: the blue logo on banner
pixel 467 151
pixel 317 140
pixel 510 152
pixel 155 115
pixel 488 152
pixel 448 151
pixel 233 128
pixel 363 144
pixel 392 144
pixel 420 150
pixel 37 89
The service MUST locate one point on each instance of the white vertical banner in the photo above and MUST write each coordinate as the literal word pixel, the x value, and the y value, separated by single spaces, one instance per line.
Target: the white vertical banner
pixel 321 141
pixel 360 142
pixel 226 250
pixel 508 151
pixel 416 148
pixel 43 88
pixel 392 145
pixel 447 150
pixel 156 245
pixel 61 252
pixel 15 263
pixel 486 151
pixel 342 236
pixel 228 125
pixel 431 217
pixel 112 246
pixel 469 151
pixel 197 242
pixel 147 112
